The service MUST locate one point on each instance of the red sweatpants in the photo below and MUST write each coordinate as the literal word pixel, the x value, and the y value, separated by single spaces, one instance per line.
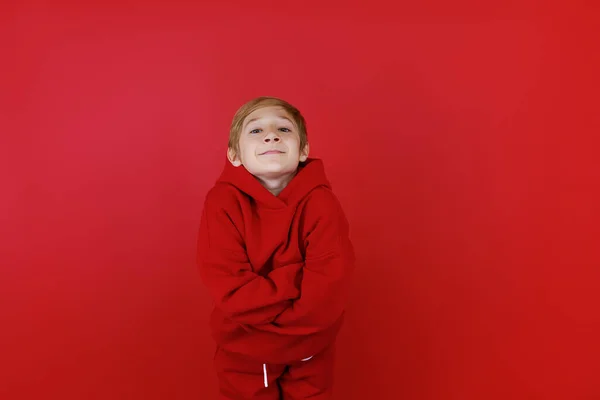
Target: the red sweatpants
pixel 243 379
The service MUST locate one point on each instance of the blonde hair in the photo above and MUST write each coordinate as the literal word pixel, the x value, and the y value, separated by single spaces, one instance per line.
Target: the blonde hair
pixel 260 102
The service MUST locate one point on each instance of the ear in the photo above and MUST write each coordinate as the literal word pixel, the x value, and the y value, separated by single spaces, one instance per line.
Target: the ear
pixel 304 153
pixel 233 158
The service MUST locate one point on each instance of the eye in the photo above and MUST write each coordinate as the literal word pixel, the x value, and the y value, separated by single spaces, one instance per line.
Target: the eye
pixel 284 130
pixel 257 130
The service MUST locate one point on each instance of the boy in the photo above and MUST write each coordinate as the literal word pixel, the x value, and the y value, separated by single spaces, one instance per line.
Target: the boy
pixel 275 254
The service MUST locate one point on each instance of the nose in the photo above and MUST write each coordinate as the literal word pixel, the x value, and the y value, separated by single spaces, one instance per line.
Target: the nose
pixel 272 136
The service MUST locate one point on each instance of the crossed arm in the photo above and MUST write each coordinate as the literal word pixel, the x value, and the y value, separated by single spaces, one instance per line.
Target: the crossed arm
pixel 297 298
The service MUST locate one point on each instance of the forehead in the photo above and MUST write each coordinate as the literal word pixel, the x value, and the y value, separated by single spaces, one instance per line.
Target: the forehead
pixel 275 112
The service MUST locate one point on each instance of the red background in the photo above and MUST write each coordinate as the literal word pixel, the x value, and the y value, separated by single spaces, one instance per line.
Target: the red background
pixel 460 138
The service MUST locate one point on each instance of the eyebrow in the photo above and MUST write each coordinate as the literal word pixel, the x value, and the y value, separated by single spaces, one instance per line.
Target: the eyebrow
pixel 255 119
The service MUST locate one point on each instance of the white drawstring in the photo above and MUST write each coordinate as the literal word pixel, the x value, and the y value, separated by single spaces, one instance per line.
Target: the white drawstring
pixel 265 375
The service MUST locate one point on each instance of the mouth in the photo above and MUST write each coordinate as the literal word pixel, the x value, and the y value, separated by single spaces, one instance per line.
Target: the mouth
pixel 272 152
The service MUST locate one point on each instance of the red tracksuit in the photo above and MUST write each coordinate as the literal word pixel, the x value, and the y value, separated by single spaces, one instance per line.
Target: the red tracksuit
pixel 278 269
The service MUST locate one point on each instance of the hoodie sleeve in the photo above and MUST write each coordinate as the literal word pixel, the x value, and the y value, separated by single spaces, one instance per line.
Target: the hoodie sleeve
pixel 327 272
pixel 244 296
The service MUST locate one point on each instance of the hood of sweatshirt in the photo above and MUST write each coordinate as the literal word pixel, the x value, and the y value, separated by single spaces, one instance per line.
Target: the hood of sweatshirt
pixel 310 175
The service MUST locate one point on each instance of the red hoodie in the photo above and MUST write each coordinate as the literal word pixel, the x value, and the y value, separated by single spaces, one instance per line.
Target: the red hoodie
pixel 277 267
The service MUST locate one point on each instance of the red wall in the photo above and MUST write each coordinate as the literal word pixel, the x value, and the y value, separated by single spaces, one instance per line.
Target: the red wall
pixel 461 140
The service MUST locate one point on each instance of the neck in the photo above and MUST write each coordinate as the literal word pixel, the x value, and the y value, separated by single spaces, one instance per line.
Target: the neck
pixel 276 185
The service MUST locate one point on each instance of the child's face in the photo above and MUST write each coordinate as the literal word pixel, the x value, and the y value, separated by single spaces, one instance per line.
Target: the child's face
pixel 269 145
